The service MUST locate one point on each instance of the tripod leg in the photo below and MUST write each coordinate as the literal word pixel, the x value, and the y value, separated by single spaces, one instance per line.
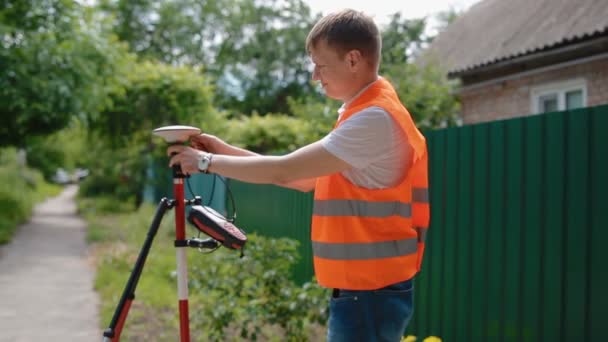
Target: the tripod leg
pixel 128 294
pixel 123 316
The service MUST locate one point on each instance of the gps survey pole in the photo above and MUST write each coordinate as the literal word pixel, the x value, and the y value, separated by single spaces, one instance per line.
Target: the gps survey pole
pixel 182 260
pixel 122 310
pixel 172 135
pixel 177 135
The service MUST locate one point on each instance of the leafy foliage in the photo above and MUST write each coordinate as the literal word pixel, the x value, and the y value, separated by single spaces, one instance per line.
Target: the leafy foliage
pixel 426 93
pixel 14 202
pixel 154 95
pixel 115 171
pixel 424 90
pixel 20 189
pixel 54 67
pixel 320 113
pixel 67 149
pixel 245 295
pixel 401 39
pixel 447 17
pixel 273 133
pixel 254 49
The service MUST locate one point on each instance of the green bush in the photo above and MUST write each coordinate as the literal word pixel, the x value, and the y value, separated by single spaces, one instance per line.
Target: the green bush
pixel 45 156
pixel 15 209
pixel 277 133
pixel 121 142
pixel 242 296
pixel 272 133
pixel 67 149
pixel 20 189
pixel 321 113
pixel 154 95
pixel 15 204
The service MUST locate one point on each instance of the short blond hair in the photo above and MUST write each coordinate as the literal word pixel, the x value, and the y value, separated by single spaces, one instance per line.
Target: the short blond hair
pixel 345 31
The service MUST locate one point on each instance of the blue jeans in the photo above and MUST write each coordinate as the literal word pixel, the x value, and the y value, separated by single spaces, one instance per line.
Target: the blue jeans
pixel 370 316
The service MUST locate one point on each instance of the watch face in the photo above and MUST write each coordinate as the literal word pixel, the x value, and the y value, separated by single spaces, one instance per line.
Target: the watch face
pixel 203 163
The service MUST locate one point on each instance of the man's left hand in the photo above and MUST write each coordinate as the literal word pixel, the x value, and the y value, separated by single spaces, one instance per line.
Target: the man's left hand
pixel 186 157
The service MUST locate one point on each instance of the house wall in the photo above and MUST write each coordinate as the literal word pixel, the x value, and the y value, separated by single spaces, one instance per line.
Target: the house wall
pixel 512 98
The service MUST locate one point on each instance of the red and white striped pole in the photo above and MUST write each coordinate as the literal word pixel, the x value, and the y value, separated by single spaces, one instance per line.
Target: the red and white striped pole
pixel 178 135
pixel 182 260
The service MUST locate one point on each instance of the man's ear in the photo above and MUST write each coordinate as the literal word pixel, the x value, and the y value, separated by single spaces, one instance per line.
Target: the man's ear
pixel 354 59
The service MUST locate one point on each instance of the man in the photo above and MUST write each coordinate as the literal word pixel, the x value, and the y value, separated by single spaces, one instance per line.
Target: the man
pixel 369 175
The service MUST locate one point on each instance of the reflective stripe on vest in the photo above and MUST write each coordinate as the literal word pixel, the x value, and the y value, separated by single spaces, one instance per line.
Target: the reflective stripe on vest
pixel 364 251
pixel 361 208
pixel 420 195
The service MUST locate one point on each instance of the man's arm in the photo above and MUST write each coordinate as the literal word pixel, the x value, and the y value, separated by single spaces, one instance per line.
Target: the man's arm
pixel 295 170
pixel 213 144
pixel 304 185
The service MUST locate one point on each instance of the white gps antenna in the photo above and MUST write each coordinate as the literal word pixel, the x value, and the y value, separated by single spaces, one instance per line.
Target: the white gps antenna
pixel 176 134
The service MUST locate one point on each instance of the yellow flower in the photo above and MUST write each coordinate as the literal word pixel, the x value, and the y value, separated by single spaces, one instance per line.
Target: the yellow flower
pixel 432 339
pixel 409 339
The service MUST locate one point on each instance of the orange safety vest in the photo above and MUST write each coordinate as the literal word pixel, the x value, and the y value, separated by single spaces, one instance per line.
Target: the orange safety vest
pixel 366 239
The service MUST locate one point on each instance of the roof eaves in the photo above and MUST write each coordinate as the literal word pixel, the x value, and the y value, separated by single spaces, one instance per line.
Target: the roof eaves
pixel 565 41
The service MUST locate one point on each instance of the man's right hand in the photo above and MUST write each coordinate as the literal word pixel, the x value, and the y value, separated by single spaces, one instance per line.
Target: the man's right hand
pixel 207 143
pixel 212 144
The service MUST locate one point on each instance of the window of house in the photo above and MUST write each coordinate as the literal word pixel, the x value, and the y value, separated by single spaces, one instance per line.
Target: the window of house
pixel 559 96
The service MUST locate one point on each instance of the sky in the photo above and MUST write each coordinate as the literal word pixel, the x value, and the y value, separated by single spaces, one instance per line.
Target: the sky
pixel 381 10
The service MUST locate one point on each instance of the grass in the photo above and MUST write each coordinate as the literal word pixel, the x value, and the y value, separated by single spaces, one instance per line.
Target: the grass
pixel 45 190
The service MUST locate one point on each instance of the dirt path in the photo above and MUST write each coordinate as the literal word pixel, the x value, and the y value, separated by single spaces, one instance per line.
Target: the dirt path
pixel 46 281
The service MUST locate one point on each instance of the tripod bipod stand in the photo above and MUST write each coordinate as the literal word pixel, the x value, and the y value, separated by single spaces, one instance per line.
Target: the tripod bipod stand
pixel 172 134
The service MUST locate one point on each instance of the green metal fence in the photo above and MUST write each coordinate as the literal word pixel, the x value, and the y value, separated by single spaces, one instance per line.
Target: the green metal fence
pixel 518 229
pixel 277 212
pixel 518 223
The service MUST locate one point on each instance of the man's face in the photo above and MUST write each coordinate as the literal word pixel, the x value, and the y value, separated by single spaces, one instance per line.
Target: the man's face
pixel 333 71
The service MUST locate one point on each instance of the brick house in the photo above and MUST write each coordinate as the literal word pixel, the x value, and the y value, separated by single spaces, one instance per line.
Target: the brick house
pixel 521 57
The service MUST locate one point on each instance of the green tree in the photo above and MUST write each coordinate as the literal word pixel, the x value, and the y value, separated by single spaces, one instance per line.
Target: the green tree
pixel 253 49
pixel 424 89
pixel 447 17
pixel 426 93
pixel 153 95
pixel 401 39
pixel 54 65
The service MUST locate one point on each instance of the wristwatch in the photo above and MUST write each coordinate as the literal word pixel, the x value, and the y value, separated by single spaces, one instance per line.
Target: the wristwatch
pixel 204 161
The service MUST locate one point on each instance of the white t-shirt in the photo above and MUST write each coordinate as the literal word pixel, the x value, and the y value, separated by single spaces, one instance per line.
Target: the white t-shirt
pixel 372 142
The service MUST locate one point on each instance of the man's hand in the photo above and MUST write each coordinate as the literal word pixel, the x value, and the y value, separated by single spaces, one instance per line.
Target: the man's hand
pixel 207 142
pixel 186 157
pixel 211 143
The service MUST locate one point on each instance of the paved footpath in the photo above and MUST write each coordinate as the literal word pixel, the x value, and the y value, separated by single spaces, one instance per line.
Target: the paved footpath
pixel 46 279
